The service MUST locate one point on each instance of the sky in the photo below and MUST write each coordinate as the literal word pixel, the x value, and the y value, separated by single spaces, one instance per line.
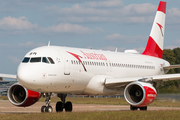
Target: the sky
pixel 97 24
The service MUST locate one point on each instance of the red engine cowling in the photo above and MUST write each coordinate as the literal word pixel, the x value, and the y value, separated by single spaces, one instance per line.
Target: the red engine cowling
pixel 140 94
pixel 22 97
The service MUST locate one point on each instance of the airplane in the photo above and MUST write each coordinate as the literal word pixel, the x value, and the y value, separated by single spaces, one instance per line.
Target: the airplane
pixel 76 71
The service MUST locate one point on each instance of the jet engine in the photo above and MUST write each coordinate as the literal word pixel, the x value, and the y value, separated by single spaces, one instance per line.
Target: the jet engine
pixel 140 94
pixel 22 97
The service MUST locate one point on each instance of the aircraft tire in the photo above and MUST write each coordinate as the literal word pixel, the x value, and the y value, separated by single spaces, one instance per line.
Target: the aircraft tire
pixel 49 109
pixel 59 106
pixel 43 108
pixel 143 108
pixel 133 108
pixel 68 106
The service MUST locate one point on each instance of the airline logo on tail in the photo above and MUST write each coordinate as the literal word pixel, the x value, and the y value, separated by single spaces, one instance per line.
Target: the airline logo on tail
pixel 155 42
pixel 160 26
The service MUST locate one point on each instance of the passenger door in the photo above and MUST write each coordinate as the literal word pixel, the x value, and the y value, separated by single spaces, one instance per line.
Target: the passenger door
pixel 66 62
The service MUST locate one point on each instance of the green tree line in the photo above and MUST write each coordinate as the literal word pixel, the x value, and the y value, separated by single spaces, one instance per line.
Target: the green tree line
pixel 173 57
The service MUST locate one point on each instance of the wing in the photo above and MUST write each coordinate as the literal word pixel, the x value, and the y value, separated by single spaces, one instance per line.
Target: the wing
pixel 8 76
pixel 119 82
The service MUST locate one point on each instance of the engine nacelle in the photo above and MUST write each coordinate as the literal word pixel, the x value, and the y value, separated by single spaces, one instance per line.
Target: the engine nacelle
pixel 22 97
pixel 140 94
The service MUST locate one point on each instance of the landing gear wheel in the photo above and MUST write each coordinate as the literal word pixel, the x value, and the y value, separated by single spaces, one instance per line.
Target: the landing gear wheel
pixel 43 108
pixel 63 105
pixel 49 109
pixel 59 107
pixel 143 108
pixel 133 108
pixel 68 106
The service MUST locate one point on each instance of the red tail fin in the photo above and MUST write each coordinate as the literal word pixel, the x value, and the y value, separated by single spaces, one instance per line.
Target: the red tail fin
pixel 155 43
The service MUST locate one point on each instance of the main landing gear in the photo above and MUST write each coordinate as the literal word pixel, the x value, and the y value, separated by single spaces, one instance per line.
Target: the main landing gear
pixel 59 105
pixel 63 105
pixel 135 108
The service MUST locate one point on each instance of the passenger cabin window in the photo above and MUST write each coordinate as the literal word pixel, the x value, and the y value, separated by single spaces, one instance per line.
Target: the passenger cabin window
pixel 37 59
pixel 26 60
pixel 51 60
pixel 45 60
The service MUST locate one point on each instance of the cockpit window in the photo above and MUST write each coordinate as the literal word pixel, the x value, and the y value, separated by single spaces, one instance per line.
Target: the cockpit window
pixel 45 60
pixel 26 60
pixel 51 60
pixel 36 59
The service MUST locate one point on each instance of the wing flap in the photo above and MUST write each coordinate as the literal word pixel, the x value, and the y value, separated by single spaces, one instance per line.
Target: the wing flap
pixel 120 82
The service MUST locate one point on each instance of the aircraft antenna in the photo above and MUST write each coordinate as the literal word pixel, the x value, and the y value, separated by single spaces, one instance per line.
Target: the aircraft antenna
pixel 116 50
pixel 49 43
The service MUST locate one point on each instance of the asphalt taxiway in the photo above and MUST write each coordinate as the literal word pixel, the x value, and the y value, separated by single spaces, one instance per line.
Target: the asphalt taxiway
pixel 7 107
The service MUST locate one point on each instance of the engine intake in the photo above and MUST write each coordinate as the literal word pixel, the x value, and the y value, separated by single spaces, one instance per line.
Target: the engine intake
pixel 22 97
pixel 139 94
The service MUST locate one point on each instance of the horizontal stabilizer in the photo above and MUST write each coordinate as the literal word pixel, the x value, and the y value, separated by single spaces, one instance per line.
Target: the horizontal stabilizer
pixel 172 66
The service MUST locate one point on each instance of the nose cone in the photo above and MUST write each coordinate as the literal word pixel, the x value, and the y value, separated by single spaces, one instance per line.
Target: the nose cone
pixel 26 76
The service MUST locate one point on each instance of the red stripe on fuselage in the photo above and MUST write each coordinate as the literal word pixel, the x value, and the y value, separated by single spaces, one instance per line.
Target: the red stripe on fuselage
pixel 78 57
pixel 162 7
pixel 152 49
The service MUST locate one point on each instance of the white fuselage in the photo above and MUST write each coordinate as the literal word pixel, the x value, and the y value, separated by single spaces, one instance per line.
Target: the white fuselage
pixel 73 68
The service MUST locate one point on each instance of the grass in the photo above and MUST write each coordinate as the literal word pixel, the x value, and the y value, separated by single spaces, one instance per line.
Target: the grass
pixel 100 115
pixel 3 98
pixel 104 115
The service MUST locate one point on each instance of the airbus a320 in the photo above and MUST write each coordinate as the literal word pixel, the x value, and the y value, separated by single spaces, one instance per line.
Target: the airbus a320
pixel 75 71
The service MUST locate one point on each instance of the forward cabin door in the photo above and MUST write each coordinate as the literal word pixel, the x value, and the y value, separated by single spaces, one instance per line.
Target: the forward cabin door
pixel 66 62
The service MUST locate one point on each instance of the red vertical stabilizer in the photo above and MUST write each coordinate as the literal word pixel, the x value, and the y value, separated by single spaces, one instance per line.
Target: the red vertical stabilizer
pixel 155 43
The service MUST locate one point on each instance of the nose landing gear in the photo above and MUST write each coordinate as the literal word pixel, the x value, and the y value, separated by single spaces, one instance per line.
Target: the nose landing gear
pixel 47 108
pixel 63 105
pixel 59 105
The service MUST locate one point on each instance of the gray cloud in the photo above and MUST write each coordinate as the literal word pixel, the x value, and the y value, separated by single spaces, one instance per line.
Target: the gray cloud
pixel 97 12
pixel 21 23
pixel 117 38
pixel 70 28
pixel 107 3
